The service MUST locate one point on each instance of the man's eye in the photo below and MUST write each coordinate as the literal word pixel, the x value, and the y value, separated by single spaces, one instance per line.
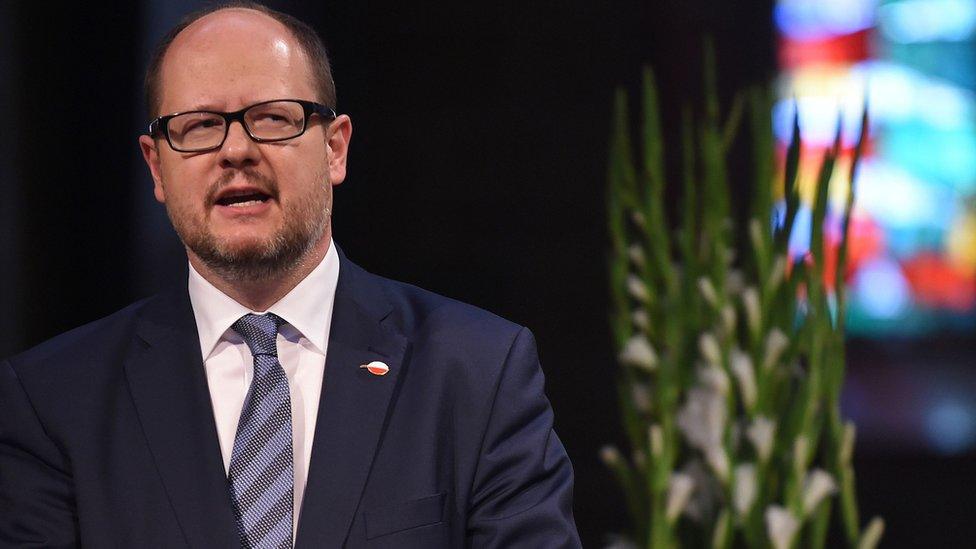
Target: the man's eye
pixel 271 118
pixel 201 125
pixel 211 123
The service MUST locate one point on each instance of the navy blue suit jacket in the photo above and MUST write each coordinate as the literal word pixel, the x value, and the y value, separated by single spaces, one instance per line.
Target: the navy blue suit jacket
pixel 107 436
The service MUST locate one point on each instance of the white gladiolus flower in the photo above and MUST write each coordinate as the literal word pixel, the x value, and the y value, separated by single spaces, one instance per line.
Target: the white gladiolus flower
pixel 817 485
pixel 728 319
pixel 708 292
pixel 713 377
pixel 641 396
pixel 637 288
pixel 847 443
pixel 680 487
pixel 610 455
pixel 734 281
pixel 761 433
pixel 638 219
pixel 745 375
pixel 776 343
pixel 656 436
pixel 718 460
pixel 709 348
pixel 638 352
pixel 750 302
pixel 707 492
pixel 636 254
pixel 872 534
pixel 781 526
pixel 744 494
pixel 641 319
pixel 702 418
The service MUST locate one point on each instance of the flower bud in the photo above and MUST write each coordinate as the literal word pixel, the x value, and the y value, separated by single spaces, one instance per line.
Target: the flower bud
pixel 817 485
pixel 750 302
pixel 847 443
pixel 744 494
pixel 872 534
pixel 776 344
pixel 637 289
pixel 745 375
pixel 709 348
pixel 707 290
pixel 656 436
pixel 641 397
pixel 781 526
pixel 728 319
pixel 636 254
pixel 637 352
pixel 718 460
pixel 641 319
pixel 761 433
pixel 680 487
pixel 610 456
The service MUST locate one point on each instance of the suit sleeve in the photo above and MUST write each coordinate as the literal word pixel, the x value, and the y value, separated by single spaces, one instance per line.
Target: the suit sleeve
pixel 36 501
pixel 523 487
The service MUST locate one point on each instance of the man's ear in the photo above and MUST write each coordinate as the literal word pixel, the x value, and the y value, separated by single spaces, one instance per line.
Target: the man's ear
pixel 150 153
pixel 337 141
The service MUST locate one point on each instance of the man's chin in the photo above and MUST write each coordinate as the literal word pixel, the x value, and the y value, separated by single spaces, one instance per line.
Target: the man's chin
pixel 250 259
pixel 245 249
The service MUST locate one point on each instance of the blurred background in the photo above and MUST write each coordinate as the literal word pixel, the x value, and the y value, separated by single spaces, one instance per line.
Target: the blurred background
pixel 478 170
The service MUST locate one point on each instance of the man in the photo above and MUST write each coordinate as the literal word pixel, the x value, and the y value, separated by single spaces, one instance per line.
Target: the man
pixel 284 396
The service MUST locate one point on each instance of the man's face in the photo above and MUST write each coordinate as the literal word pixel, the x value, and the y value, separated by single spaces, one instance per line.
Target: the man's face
pixel 226 61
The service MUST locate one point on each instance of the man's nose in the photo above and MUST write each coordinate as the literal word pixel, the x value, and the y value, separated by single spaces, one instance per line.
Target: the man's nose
pixel 238 148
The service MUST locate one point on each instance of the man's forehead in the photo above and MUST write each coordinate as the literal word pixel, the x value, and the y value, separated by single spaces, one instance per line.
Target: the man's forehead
pixel 233 25
pixel 232 57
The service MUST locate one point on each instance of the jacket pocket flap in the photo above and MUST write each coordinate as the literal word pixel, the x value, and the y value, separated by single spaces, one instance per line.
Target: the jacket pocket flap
pixel 394 518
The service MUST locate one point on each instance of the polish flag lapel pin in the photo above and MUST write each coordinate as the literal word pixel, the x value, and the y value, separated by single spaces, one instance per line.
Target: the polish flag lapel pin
pixel 376 368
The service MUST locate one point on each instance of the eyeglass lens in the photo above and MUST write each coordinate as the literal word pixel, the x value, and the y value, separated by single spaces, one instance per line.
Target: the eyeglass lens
pixel 268 121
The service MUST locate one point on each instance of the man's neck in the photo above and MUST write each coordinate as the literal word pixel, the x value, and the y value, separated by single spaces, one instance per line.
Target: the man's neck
pixel 259 295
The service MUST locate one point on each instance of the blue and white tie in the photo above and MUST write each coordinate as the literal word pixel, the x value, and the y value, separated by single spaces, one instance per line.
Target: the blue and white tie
pixel 261 472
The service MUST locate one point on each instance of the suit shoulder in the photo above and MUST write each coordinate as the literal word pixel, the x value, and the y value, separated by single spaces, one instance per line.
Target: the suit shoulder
pixel 422 311
pixel 461 342
pixel 92 339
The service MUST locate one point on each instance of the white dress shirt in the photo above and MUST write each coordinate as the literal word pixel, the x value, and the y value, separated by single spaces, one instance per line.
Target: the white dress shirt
pixel 302 345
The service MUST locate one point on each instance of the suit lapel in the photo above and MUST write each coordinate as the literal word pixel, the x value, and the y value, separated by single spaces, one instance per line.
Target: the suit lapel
pixel 352 409
pixel 169 387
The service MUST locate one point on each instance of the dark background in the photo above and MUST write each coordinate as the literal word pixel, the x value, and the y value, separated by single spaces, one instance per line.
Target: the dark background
pixel 477 170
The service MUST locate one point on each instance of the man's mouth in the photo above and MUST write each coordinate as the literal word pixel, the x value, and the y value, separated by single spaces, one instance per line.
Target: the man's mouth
pixel 242 199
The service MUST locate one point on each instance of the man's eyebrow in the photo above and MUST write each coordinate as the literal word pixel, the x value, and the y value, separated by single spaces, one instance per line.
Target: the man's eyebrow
pixel 200 105
pixel 203 106
pixel 215 107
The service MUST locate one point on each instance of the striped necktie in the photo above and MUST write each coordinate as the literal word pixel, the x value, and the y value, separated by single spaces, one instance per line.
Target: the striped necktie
pixel 261 472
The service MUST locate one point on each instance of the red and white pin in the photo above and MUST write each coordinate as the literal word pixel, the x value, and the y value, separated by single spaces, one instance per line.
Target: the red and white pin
pixel 376 368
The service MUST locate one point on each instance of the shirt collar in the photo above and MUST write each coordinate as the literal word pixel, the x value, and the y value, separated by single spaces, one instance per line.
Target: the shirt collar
pixel 307 307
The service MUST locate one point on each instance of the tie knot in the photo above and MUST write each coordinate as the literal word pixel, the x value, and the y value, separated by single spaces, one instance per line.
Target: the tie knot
pixel 260 332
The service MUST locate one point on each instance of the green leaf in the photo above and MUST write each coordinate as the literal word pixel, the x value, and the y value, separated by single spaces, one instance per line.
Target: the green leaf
pixel 848 208
pixel 791 175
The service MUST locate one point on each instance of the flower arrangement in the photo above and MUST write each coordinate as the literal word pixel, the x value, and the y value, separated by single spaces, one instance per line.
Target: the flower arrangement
pixel 731 352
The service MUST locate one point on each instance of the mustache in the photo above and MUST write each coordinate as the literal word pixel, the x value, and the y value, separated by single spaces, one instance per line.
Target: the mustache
pixel 265 184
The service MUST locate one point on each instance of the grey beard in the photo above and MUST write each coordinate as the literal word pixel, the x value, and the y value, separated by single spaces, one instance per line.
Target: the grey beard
pixel 287 250
pixel 284 253
pixel 305 222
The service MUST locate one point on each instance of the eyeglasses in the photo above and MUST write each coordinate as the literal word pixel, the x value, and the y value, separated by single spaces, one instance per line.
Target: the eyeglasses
pixel 265 122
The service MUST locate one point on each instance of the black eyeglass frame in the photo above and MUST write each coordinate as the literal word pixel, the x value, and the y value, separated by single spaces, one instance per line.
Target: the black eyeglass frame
pixel 161 124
